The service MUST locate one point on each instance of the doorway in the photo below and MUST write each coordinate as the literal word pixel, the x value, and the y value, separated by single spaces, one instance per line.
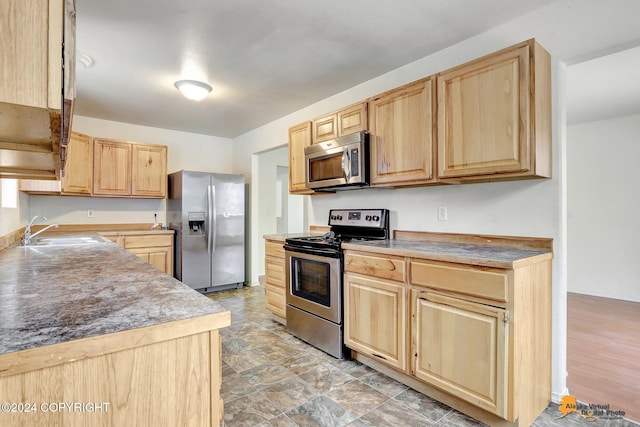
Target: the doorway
pixel 603 304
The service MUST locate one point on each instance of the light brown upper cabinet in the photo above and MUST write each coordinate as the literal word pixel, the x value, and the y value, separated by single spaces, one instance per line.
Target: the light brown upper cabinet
pixel 348 120
pixel 79 166
pixel 111 168
pixel 402 135
pixel 128 169
pixel 299 137
pixel 149 170
pixel 33 119
pixel 494 116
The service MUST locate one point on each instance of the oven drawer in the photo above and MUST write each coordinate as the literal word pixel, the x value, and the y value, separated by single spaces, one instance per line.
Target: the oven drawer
pixel 274 249
pixel 490 283
pixel 376 265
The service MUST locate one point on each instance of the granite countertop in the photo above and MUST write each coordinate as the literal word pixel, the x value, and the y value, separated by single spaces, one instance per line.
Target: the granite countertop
pixel 56 294
pixel 463 253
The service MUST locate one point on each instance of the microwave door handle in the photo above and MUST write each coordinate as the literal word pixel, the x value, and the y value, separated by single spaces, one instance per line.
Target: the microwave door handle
pixel 346 165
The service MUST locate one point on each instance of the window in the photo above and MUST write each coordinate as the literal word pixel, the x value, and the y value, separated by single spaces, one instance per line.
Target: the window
pixel 9 193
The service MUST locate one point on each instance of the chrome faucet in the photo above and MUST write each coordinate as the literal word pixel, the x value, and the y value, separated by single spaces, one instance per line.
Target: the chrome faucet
pixel 26 239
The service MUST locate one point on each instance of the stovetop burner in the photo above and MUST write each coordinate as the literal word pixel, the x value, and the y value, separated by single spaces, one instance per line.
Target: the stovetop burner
pixel 348 225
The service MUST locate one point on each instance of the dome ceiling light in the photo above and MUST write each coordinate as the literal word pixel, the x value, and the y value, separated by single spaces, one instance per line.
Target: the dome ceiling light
pixel 193 89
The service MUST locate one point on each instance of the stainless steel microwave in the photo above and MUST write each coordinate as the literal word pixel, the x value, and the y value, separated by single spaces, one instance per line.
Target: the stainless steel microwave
pixel 338 164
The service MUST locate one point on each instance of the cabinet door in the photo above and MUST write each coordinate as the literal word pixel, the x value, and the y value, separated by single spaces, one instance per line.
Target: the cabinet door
pixel 401 127
pixel 149 170
pixel 161 258
pixel 299 137
pixel 111 168
pixel 79 165
pixel 375 319
pixel 493 115
pixel 352 119
pixel 30 53
pixel 325 128
pixel 461 347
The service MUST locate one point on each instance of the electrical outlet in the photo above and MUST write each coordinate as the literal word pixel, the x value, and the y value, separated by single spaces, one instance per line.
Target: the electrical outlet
pixel 89 213
pixel 442 213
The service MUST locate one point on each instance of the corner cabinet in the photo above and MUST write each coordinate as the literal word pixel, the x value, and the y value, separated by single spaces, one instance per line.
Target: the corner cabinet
pixel 494 116
pixel 78 171
pixel 401 126
pixel 275 290
pixel 299 137
pixel 154 247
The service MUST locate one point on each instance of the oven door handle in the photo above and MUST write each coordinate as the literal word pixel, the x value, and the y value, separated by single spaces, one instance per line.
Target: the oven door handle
pixel 330 253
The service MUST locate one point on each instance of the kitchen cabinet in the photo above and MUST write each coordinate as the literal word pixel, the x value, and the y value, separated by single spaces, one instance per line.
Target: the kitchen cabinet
pixel 34 119
pixel 299 137
pixel 149 171
pixel 348 120
pixel 127 169
pixel 494 116
pixel 477 330
pixel 155 247
pixel 374 322
pixel 275 290
pixel 78 172
pixel 77 177
pixel 375 308
pixel 111 167
pixel 401 126
pixel 461 347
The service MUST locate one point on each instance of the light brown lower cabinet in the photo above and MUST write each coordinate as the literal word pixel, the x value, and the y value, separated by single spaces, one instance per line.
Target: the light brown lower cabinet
pixel 154 248
pixel 275 291
pixel 375 310
pixel 476 338
pixel 461 347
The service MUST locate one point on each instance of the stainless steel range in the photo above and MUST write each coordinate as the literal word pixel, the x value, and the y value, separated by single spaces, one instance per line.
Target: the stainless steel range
pixel 314 276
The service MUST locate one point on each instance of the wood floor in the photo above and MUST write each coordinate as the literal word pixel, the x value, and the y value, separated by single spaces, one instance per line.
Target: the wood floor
pixel 603 352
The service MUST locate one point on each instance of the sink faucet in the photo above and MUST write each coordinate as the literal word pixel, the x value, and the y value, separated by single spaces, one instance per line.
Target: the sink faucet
pixel 27 231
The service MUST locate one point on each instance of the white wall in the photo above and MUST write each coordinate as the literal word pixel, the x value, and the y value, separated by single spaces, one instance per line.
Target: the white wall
pixel 531 208
pixel 604 208
pixel 187 151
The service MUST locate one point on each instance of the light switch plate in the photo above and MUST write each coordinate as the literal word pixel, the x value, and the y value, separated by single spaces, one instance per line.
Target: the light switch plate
pixel 442 213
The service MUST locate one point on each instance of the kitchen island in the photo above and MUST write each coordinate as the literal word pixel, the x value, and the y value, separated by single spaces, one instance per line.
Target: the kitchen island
pixel 93 335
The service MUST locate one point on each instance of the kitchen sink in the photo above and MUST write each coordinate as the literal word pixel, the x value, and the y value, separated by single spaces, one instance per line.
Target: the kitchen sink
pixel 63 241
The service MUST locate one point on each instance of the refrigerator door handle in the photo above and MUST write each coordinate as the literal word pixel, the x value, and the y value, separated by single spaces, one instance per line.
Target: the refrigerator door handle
pixel 214 222
pixel 210 219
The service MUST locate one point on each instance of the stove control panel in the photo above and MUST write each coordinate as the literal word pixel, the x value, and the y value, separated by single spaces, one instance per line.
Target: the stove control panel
pixel 371 218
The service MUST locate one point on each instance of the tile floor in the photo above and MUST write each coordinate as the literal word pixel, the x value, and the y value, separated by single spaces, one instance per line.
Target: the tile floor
pixel 270 378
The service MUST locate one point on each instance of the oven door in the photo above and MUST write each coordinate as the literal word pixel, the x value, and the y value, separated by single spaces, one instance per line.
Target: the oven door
pixel 314 283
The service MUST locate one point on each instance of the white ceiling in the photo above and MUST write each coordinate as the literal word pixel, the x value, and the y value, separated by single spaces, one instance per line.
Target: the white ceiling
pixel 264 58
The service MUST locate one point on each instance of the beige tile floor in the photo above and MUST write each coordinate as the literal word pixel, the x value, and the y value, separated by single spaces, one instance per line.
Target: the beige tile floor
pixel 270 378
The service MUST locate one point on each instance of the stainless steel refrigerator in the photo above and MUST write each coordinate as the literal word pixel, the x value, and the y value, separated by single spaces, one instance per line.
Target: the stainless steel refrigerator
pixel 207 211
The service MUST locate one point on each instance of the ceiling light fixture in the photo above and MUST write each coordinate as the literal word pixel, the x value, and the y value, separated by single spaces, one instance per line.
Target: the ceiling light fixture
pixel 193 89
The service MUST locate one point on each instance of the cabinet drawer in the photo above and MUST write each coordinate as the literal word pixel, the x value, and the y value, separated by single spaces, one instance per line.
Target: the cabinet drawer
pixel 148 241
pixel 274 248
pixel 382 266
pixel 274 269
pixel 485 283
